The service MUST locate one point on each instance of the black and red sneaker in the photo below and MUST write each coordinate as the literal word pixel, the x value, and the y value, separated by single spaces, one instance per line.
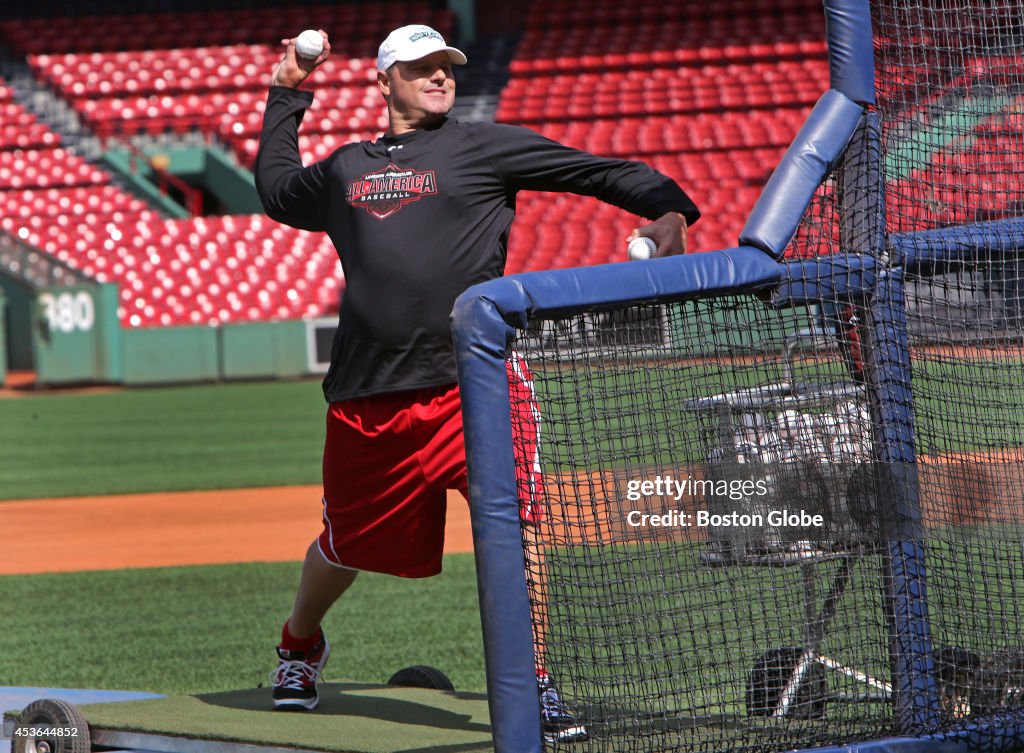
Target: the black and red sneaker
pixel 296 677
pixel 558 723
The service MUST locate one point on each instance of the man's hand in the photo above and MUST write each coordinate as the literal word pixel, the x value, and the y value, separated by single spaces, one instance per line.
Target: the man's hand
pixel 293 70
pixel 668 232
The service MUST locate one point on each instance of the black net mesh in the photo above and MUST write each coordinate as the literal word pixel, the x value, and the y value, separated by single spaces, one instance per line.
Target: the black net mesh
pixel 676 607
pixel 667 631
pixel 950 80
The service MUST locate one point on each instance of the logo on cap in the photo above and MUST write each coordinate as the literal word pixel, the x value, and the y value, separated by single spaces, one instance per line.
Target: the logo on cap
pixel 425 34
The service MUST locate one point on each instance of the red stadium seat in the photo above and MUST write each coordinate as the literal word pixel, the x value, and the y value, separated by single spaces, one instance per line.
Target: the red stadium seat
pixel 712 99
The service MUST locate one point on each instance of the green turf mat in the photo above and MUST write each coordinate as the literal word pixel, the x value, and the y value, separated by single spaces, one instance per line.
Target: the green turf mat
pixel 352 718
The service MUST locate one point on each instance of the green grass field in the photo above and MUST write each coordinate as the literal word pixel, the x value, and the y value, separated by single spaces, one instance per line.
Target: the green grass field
pixel 167 439
pixel 956 408
pixel 271 433
pixel 199 629
pixel 203 629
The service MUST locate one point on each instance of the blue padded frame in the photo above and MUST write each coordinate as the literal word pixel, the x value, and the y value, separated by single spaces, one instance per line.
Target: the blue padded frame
pixel 825 134
pixel 810 281
pixel 887 362
pixel 819 143
pixel 851 54
pixel 932 251
pixel 484 321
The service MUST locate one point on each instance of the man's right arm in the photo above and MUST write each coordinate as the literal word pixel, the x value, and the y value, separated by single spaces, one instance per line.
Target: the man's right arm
pixel 290 193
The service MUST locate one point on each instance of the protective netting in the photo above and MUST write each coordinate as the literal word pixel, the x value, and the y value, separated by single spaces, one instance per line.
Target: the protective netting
pixel 706 533
pixel 673 600
pixel 950 85
pixel 940 155
pixel 743 630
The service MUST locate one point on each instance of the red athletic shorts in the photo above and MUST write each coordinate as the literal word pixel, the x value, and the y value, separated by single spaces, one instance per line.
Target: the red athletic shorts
pixel 388 463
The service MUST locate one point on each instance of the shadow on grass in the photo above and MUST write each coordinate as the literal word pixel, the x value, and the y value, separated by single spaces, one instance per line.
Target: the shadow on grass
pixel 409 706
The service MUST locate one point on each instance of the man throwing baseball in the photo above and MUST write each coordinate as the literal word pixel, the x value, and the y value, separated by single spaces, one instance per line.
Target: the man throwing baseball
pixel 417 216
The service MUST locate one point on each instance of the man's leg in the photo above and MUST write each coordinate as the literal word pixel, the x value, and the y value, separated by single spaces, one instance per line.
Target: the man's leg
pixel 304 649
pixel 375 493
pixel 321 585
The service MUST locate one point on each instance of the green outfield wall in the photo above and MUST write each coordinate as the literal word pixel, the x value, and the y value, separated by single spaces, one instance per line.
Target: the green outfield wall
pixel 71 334
pixel 169 355
pixel 738 324
pixel 264 350
pixel 75 334
pixel 67 353
pixel 260 350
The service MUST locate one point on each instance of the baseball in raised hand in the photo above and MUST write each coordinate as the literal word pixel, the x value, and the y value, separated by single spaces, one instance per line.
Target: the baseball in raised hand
pixel 294 67
pixel 309 44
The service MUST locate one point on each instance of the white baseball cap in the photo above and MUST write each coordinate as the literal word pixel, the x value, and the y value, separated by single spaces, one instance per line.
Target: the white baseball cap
pixel 412 43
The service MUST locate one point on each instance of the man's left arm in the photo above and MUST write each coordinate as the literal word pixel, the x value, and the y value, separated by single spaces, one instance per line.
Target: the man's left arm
pixel 528 161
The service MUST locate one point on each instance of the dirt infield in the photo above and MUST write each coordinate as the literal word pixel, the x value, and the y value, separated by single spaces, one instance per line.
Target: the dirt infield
pixel 163 530
pixel 168 529
pixel 276 524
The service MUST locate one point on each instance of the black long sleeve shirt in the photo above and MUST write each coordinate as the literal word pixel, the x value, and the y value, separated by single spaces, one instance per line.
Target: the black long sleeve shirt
pixel 418 218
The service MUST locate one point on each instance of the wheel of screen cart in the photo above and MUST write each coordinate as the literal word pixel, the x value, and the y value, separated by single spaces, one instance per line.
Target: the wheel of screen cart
pixel 776 670
pixel 50 726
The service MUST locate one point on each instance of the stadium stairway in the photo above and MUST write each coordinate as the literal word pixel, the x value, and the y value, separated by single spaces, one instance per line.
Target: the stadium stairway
pixel 49 108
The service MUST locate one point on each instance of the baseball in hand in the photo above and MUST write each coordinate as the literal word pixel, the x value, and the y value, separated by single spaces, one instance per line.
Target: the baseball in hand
pixel 641 248
pixel 309 44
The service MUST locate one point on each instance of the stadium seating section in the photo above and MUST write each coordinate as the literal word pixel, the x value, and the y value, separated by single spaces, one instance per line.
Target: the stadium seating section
pixel 169 271
pixel 711 98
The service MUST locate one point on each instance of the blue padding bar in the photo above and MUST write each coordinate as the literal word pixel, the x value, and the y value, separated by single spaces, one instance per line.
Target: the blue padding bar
pixel 928 250
pixel 891 400
pixel 481 336
pixel 825 278
pixel 851 56
pixel 889 374
pixel 484 321
pixel 612 285
pixel 860 191
pixel 822 138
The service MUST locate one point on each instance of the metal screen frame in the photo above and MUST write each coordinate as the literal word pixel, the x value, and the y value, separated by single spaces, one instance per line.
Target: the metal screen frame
pixel 486 317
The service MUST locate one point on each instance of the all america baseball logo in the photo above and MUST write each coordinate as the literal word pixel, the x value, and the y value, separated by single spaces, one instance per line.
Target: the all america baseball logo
pixel 384 192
